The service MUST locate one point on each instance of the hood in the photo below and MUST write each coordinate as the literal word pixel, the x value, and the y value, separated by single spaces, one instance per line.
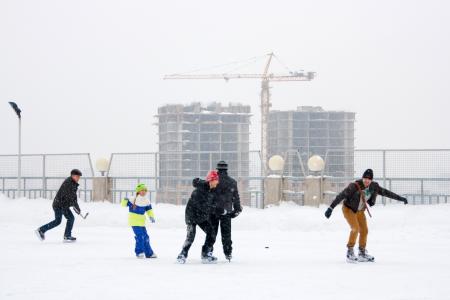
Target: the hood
pixel 200 184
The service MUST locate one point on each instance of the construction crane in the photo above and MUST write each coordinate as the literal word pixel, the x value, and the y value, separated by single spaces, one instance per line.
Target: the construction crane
pixel 266 78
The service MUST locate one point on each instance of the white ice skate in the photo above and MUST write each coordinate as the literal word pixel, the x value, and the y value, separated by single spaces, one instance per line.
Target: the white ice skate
pixel 351 257
pixel 363 256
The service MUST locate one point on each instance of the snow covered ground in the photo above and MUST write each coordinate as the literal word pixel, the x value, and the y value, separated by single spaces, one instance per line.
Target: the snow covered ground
pixel 305 258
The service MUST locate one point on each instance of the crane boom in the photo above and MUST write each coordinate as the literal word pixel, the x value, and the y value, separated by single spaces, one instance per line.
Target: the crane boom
pixel 265 78
pixel 271 77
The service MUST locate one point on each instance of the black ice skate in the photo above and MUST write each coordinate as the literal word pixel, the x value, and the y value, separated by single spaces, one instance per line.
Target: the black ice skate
pixel 181 259
pixel 70 239
pixel 40 234
pixel 209 259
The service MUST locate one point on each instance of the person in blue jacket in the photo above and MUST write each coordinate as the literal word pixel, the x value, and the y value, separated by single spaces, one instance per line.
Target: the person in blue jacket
pixel 139 208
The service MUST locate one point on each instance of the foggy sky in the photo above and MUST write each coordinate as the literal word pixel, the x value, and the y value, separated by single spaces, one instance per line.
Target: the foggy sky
pixel 88 74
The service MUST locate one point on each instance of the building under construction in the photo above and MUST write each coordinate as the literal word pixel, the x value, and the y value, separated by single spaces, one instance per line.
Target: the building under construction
pixel 193 138
pixel 313 130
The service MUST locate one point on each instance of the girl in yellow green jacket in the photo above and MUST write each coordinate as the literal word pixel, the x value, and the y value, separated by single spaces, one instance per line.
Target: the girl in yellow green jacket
pixel 139 208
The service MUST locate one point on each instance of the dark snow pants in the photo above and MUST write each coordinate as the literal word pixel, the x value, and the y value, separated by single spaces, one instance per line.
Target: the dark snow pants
pixel 190 237
pixel 225 231
pixel 142 241
pixel 59 212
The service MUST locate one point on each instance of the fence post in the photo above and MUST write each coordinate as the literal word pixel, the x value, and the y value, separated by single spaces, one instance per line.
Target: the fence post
pixel 85 189
pixel 156 171
pixel 44 177
pixel 24 188
pixel 421 191
pixel 210 161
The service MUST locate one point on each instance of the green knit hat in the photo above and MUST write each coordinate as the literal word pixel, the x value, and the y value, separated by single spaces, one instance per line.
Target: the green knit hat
pixel 141 187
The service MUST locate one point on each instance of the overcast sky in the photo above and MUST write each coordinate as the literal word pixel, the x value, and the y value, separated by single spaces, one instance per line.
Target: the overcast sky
pixel 88 74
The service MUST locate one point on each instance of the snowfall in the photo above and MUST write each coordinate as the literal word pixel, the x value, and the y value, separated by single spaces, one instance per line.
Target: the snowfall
pixel 285 252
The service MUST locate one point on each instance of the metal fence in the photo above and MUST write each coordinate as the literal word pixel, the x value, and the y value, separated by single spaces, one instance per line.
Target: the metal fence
pixel 423 176
pixel 42 174
pixel 175 184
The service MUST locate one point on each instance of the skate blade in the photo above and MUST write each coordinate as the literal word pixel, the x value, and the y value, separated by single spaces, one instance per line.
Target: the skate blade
pixel 68 242
pixel 207 262
pixel 181 261
pixel 363 260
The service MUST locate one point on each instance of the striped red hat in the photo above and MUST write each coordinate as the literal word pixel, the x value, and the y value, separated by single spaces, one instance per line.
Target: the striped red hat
pixel 212 175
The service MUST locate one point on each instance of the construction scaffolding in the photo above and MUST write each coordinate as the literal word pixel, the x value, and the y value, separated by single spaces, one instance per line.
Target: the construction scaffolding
pixel 313 131
pixel 193 138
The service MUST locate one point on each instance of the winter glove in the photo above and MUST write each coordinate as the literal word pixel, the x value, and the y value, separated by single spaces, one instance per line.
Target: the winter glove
pixel 328 212
pixel 220 211
pixel 152 220
pixel 234 214
pixel 404 200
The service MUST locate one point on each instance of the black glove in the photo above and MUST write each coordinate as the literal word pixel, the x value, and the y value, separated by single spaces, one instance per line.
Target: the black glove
pixel 404 200
pixel 328 212
pixel 220 211
pixel 234 214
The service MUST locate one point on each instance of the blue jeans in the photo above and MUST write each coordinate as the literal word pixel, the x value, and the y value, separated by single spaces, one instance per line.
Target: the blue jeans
pixel 142 241
pixel 59 212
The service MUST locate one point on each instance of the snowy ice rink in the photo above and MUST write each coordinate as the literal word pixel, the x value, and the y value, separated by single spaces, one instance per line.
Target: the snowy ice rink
pixel 305 258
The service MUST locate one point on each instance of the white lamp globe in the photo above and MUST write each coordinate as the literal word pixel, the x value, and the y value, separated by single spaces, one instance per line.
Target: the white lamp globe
pixel 316 163
pixel 276 163
pixel 102 165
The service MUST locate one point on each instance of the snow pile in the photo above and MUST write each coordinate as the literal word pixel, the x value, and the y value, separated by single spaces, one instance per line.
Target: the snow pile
pixel 285 252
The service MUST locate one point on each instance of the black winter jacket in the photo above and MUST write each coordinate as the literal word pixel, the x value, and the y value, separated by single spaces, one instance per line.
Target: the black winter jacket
pixel 67 195
pixel 201 204
pixel 227 194
pixel 351 195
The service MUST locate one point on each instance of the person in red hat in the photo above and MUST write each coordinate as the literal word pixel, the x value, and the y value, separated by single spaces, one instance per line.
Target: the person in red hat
pixel 199 209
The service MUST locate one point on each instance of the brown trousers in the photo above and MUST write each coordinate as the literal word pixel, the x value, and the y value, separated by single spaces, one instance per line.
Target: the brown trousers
pixel 358 224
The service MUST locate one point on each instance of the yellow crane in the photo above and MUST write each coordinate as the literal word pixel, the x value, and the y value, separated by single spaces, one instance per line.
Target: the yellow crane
pixel 266 78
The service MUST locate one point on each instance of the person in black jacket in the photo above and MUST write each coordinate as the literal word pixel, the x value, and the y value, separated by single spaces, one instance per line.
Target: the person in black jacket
pixel 357 197
pixel 199 209
pixel 228 207
pixel 65 198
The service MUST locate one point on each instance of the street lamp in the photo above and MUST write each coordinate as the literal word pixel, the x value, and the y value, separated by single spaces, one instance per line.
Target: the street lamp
pixel 19 162
pixel 102 165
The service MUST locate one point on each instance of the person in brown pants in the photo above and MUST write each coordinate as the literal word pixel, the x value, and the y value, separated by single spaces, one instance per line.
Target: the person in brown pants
pixel 357 197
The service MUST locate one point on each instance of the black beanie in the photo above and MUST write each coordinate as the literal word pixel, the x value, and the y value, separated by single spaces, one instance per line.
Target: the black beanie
pixel 368 174
pixel 75 172
pixel 222 165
